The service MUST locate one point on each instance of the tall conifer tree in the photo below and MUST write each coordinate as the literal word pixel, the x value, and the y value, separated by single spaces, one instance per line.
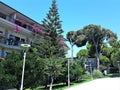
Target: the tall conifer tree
pixel 52 43
pixel 52 25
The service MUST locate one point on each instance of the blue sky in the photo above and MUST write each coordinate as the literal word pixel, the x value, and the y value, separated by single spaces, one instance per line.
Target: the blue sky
pixel 74 14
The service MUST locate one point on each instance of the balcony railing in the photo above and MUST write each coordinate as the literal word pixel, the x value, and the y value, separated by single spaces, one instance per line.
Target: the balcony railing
pixel 10 44
pixel 26 27
pixel 13 26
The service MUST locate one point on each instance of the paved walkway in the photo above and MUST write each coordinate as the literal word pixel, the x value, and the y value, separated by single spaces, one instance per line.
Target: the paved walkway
pixel 99 84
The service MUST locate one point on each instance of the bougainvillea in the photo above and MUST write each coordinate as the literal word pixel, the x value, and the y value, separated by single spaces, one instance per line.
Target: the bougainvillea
pixel 62 41
pixel 17 28
pixel 35 28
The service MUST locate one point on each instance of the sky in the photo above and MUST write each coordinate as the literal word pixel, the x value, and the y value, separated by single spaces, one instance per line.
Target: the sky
pixel 74 14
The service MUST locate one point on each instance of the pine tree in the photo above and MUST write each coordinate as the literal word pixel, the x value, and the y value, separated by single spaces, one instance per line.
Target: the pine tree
pixel 52 25
pixel 52 46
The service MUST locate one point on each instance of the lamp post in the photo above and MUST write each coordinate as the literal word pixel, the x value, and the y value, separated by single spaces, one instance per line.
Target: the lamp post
pixel 24 46
pixel 68 73
pixel 68 67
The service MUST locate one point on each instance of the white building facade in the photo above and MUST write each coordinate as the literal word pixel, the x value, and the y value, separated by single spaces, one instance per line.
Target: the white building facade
pixel 16 28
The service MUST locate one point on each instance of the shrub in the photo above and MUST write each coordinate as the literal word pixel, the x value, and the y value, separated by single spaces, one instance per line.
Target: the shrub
pixel 86 75
pixel 97 74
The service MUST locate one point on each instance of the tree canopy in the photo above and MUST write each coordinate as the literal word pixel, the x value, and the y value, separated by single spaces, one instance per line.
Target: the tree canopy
pixel 96 36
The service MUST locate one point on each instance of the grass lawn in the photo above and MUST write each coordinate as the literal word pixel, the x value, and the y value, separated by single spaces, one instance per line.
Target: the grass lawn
pixel 113 75
pixel 62 86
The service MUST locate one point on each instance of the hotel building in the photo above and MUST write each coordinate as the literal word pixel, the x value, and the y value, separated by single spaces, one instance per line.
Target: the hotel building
pixel 16 28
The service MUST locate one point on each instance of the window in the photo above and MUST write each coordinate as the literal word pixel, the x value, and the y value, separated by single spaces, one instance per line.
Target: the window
pixel 1 32
pixel 17 39
pixel 22 41
pixel 24 25
pixel 13 40
pixel 18 23
pixel 2 15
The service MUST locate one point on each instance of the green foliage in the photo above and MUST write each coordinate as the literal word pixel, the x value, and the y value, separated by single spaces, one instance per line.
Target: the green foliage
pixel 75 70
pixel 52 22
pixel 116 58
pixel 43 69
pixel 91 49
pixel 10 75
pixel 49 50
pixel 103 67
pixel 34 70
pixel 116 44
pixel 50 47
pixel 107 51
pixel 76 38
pixel 115 54
pixel 96 35
pixel 97 74
pixel 52 25
pixel 82 60
pixel 82 52
pixel 12 70
pixel 87 75
pixel 71 37
pixel 54 67
pixel 104 60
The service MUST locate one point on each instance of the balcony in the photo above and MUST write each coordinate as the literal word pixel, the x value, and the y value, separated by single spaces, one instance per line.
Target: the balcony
pixel 7 24
pixel 2 36
pixel 17 47
pixel 7 43
pixel 25 29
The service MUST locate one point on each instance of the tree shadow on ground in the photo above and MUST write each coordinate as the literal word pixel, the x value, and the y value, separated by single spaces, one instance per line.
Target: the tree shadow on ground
pixel 80 81
pixel 55 87
pixel 63 85
pixel 59 86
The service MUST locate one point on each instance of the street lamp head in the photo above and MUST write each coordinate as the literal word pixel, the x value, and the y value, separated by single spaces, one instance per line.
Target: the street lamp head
pixel 25 45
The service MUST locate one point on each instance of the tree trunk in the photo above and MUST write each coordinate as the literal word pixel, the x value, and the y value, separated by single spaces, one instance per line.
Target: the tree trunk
pixel 97 53
pixel 98 62
pixel 51 83
pixel 71 52
pixel 98 59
